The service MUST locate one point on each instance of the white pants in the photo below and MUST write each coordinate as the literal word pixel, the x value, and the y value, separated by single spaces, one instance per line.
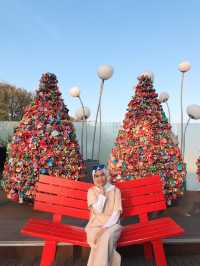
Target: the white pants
pixel 104 252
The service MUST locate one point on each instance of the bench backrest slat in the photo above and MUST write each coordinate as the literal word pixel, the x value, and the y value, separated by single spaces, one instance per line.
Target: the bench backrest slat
pixel 137 210
pixel 62 182
pixel 58 190
pixel 142 200
pixel 139 191
pixel 140 182
pixel 61 200
pixel 58 209
pixel 142 196
pixel 69 197
pixel 62 196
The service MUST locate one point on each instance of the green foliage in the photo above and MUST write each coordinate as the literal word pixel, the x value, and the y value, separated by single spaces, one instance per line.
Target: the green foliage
pixel 13 102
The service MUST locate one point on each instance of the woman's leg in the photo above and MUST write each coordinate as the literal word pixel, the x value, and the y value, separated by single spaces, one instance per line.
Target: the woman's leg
pixel 115 258
pixel 104 254
pixel 91 257
pixel 90 239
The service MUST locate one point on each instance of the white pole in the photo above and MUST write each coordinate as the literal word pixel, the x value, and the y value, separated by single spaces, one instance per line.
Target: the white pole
pixel 82 129
pixel 97 113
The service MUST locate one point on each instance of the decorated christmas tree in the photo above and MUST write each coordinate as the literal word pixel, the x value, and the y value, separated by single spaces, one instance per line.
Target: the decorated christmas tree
pixel 43 143
pixel 198 168
pixel 145 144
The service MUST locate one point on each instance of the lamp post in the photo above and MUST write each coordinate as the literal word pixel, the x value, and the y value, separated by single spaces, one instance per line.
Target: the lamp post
pixel 83 115
pixel 75 92
pixel 183 68
pixel 193 112
pixel 163 98
pixel 104 72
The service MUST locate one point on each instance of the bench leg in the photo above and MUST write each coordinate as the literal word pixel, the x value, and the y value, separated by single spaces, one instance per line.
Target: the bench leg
pixel 77 255
pixel 148 252
pixel 48 253
pixel 159 253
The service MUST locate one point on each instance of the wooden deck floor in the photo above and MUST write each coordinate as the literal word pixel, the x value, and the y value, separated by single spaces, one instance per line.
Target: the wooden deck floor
pixel 13 216
pixel 137 261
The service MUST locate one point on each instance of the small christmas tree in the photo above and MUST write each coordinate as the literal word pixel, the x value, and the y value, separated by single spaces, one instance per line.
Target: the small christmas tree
pixel 43 143
pixel 198 168
pixel 145 144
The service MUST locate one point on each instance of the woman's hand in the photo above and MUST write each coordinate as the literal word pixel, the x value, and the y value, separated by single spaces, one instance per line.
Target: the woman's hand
pixel 98 234
pixel 102 191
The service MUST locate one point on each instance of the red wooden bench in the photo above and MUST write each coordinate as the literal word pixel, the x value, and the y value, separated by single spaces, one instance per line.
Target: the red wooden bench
pixel 66 197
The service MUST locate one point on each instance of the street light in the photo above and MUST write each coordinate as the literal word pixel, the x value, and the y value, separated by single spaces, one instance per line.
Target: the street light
pixel 75 92
pixel 83 115
pixel 183 68
pixel 163 98
pixel 193 112
pixel 104 72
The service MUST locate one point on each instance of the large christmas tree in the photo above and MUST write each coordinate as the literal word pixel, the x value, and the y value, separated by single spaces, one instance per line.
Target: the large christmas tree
pixel 198 168
pixel 145 144
pixel 44 142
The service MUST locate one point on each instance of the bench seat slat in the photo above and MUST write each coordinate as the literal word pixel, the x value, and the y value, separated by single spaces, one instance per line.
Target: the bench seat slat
pixel 154 229
pixel 39 223
pixel 132 229
pixel 139 226
pixel 131 234
pixel 57 230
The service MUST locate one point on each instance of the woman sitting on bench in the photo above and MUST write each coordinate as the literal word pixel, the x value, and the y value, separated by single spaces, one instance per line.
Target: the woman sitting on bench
pixel 103 229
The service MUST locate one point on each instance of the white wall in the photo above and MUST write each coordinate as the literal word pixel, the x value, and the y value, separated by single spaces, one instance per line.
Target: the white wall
pixel 109 133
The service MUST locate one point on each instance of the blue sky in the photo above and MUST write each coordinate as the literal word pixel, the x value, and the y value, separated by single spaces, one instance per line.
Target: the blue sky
pixel 72 38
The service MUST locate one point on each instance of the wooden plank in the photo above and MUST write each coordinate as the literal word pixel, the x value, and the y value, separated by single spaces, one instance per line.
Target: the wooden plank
pixel 130 234
pixel 56 190
pixel 82 204
pixel 133 233
pixel 47 223
pixel 148 236
pixel 136 210
pixel 68 211
pixel 134 198
pixel 62 182
pixel 61 200
pixel 141 190
pixel 60 236
pixel 36 220
pixel 155 222
pixel 55 230
pixel 151 231
pixel 143 199
pixel 140 182
pixel 68 192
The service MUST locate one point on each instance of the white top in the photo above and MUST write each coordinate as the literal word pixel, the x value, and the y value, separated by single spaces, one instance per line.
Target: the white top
pixel 99 206
pixel 113 219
